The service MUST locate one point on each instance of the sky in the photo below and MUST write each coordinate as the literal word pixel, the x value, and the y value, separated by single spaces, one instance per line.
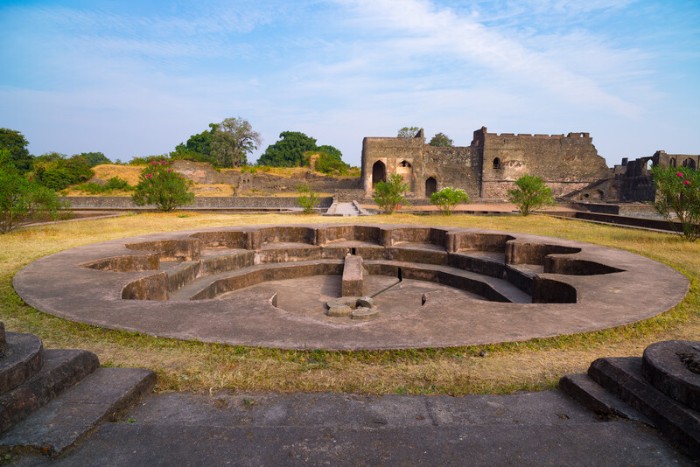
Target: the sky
pixel 136 78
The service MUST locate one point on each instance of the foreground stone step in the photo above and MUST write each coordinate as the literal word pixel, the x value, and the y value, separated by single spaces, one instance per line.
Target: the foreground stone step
pixel 596 398
pixel 623 377
pixel 61 369
pixel 22 359
pixel 67 419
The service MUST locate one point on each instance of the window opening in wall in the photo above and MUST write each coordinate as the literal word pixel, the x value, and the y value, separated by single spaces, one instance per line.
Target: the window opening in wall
pixel 672 163
pixel 690 163
pixel 405 164
pixel 497 163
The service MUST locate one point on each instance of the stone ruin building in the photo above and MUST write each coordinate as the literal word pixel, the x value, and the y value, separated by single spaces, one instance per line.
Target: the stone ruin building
pixel 490 165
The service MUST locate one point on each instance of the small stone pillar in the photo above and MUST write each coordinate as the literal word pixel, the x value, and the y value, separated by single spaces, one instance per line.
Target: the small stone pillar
pixel 353 281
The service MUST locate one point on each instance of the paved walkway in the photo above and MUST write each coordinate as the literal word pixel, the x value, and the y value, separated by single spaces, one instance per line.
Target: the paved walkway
pixel 544 428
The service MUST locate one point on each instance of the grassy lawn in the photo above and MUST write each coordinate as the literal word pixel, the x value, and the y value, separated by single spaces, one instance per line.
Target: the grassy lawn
pixel 180 365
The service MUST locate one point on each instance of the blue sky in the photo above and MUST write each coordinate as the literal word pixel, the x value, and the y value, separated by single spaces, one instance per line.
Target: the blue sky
pixel 135 78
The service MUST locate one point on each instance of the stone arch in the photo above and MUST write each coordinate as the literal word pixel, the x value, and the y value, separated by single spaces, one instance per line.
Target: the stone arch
pixel 378 173
pixel 496 163
pixel 690 163
pixel 430 186
pixel 672 162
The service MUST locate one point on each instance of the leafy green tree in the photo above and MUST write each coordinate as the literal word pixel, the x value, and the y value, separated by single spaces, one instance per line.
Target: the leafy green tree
pixel 197 148
pixel 289 150
pixel 448 198
pixel 15 142
pixel 531 194
pixel 159 184
pixel 441 140
pixel 94 158
pixel 232 141
pixel 55 171
pixel 678 192
pixel 21 199
pixel 389 195
pixel 307 199
pixel 408 132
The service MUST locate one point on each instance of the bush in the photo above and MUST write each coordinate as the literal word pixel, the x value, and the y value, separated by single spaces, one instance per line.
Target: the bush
pixel 21 199
pixel 678 192
pixel 448 198
pixel 531 194
pixel 113 184
pixel 56 172
pixel 159 184
pixel 307 199
pixel 389 195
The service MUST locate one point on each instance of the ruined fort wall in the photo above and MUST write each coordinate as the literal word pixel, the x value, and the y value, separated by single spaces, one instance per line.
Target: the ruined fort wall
pixel 566 163
pixel 392 153
pixel 458 167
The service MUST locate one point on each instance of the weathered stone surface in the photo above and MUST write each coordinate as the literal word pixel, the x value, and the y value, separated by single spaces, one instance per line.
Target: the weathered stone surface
pixel 350 302
pixel 63 421
pixel 218 304
pixel 365 313
pixel 23 360
pixel 663 365
pixel 366 302
pixel 353 280
pixel 339 311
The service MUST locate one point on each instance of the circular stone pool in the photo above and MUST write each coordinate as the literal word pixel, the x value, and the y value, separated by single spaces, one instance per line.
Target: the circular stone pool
pixel 350 286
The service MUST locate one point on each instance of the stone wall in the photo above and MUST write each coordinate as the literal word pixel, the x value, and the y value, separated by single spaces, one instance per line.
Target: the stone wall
pixel 213 203
pixel 566 163
pixel 489 166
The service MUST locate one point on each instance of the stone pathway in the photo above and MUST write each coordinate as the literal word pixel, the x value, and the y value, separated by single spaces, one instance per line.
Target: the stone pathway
pixel 350 209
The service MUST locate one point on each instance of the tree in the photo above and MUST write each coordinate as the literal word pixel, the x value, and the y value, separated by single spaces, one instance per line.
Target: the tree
pixel 21 199
pixel 289 150
pixel 55 171
pixel 232 140
pixel 94 158
pixel 448 198
pixel 15 142
pixel 328 160
pixel 389 195
pixel 408 132
pixel 531 194
pixel 441 140
pixel 678 192
pixel 159 184
pixel 197 148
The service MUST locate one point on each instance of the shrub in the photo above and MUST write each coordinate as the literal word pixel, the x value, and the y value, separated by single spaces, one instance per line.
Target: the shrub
pixel 307 199
pixel 113 184
pixel 21 199
pixel 678 192
pixel 159 184
pixel 56 172
pixel 531 194
pixel 448 198
pixel 389 195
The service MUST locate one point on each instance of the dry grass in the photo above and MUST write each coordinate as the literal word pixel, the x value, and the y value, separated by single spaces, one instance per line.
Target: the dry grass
pixel 195 366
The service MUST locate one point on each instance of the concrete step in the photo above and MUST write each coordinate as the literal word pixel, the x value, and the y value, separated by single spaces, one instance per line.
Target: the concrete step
pixel 22 359
pixel 596 398
pixel 623 377
pixel 61 369
pixel 66 420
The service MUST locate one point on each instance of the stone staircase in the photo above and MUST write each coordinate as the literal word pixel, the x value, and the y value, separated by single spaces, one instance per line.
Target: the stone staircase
pixel 661 389
pixel 51 399
pixel 346 209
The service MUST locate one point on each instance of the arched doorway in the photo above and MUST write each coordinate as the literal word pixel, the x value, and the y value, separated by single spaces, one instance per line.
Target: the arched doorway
pixel 378 173
pixel 690 163
pixel 430 186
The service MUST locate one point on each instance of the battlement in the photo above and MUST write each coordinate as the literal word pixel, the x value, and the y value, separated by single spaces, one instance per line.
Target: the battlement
pixel 574 136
